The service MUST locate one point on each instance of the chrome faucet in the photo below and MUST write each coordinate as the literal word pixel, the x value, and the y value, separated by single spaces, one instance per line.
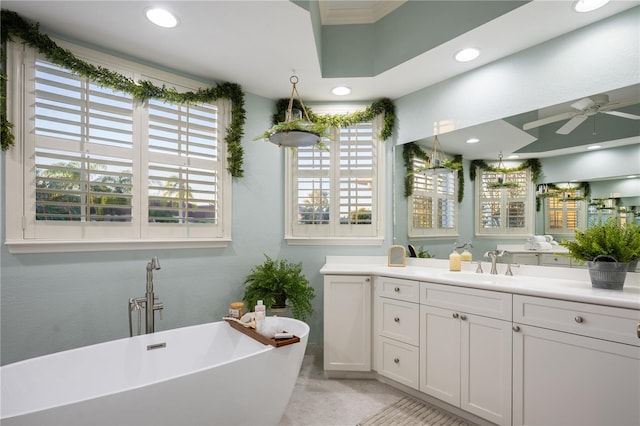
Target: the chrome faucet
pixel 494 255
pixel 147 302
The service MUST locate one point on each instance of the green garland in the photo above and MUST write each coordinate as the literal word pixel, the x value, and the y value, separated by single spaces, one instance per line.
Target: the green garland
pixel 554 191
pixel 533 163
pixel 320 124
pixel 14 25
pixel 412 150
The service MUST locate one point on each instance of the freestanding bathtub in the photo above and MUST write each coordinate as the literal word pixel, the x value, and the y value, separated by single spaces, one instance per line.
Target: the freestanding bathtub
pixel 209 374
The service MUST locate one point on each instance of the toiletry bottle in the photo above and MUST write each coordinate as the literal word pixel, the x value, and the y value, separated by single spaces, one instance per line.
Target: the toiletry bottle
pixel 466 255
pixel 260 311
pixel 454 261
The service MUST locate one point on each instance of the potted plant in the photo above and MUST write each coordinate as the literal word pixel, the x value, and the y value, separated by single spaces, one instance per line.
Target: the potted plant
pixel 277 281
pixel 608 248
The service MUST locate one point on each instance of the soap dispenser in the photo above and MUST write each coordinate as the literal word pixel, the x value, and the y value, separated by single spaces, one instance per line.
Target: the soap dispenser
pixel 454 261
pixel 466 255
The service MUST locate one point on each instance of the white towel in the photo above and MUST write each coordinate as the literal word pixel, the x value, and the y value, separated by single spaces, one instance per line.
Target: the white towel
pixel 538 246
pixel 537 239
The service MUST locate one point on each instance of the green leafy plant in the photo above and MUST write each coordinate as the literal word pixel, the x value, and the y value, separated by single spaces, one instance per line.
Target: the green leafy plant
pixel 278 278
pixel 622 242
pixel 424 254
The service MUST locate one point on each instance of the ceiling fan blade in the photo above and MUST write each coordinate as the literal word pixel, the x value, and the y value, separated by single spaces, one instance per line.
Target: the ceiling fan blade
pixel 548 120
pixel 583 104
pixel 622 114
pixel 571 124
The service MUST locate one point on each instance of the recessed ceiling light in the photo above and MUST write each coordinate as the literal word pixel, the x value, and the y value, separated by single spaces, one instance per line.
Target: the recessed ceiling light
pixel 468 54
pixel 632 177
pixel 594 147
pixel 511 157
pixel 473 140
pixel 588 5
pixel 341 90
pixel 161 17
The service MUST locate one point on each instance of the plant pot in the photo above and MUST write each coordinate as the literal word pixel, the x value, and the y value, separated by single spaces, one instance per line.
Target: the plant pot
pixel 633 265
pixel 607 273
pixel 280 302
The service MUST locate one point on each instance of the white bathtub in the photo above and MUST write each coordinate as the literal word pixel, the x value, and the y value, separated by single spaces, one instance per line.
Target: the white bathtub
pixel 208 374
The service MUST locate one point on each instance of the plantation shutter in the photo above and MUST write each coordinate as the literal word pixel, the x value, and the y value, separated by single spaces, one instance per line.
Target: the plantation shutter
pixel 504 210
pixel 433 204
pixel 83 162
pixel 333 189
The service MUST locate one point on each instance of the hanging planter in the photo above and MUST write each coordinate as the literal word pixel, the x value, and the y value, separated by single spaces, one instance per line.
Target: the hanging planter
pixel 297 130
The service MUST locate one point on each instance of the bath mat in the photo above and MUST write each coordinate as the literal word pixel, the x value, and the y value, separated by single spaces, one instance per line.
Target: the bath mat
pixel 411 412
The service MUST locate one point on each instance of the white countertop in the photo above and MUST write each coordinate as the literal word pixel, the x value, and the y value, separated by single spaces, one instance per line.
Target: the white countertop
pixel 572 284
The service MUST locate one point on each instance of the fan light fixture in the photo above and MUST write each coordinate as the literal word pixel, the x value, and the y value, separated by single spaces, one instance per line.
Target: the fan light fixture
pixel 161 17
pixel 588 5
pixel 294 133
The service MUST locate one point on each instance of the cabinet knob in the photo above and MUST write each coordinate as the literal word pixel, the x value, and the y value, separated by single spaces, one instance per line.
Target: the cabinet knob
pixel 396 360
pixel 579 319
pixel 455 315
pixel 367 280
pixel 397 289
pixel 639 330
pixel 463 317
pixel 516 328
pixel 396 319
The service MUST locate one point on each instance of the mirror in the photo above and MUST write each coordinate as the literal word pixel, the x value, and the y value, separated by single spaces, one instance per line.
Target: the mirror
pixel 564 156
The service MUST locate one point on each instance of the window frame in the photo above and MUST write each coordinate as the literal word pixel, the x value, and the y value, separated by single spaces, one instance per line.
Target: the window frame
pixel 580 210
pixel 434 232
pixel 317 236
pixel 19 222
pixel 528 209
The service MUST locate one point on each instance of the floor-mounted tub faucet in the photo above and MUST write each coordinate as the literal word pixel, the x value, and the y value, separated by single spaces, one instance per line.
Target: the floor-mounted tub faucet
pixel 147 302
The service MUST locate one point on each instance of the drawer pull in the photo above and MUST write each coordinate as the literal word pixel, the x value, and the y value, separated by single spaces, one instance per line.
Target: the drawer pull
pixel 579 319
pixel 367 280
pixel 397 289
pixel 639 330
pixel 396 360
pixel 455 315
pixel 516 328
pixel 396 319
pixel 463 317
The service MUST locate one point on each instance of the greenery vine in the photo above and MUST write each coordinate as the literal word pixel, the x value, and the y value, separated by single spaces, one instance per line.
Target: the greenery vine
pixel 320 124
pixel 551 190
pixel 412 150
pixel 533 163
pixel 14 25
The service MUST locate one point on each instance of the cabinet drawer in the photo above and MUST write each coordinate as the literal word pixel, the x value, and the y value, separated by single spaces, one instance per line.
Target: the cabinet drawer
pixel 603 322
pixel 493 304
pixel 395 288
pixel 398 361
pixel 554 260
pixel 399 320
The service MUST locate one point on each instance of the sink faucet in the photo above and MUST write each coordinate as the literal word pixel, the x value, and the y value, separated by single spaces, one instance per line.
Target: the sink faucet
pixel 494 255
pixel 147 302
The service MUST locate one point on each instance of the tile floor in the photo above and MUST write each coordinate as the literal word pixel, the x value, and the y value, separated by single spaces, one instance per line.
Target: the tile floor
pixel 319 401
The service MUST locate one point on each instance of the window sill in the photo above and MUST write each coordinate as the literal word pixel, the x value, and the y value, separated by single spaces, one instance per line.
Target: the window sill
pixel 56 246
pixel 322 241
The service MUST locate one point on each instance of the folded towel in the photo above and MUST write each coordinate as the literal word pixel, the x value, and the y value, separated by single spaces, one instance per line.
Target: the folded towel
pixel 538 246
pixel 537 239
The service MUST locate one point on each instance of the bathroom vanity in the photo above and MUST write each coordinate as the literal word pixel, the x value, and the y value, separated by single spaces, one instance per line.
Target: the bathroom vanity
pixel 542 347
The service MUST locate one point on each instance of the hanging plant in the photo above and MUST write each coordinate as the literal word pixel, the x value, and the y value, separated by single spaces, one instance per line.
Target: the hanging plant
pixel 551 190
pixel 14 25
pixel 320 124
pixel 412 150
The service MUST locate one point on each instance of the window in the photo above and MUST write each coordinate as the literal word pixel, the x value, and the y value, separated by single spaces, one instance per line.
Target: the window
pixel 98 166
pixel 565 212
pixel 433 207
pixel 333 193
pixel 505 211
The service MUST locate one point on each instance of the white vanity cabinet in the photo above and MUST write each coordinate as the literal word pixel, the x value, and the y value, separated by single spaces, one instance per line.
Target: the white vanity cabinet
pixel 347 323
pixel 465 349
pixel 575 363
pixel 396 329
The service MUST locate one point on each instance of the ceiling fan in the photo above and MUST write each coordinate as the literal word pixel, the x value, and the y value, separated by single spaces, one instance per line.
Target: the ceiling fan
pixel 585 108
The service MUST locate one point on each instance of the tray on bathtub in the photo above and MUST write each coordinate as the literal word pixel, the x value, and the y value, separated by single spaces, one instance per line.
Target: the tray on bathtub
pixel 260 338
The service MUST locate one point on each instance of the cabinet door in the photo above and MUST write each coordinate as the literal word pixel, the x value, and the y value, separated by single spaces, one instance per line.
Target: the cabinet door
pixel 440 354
pixel 564 379
pixel 524 258
pixel 486 367
pixel 347 323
